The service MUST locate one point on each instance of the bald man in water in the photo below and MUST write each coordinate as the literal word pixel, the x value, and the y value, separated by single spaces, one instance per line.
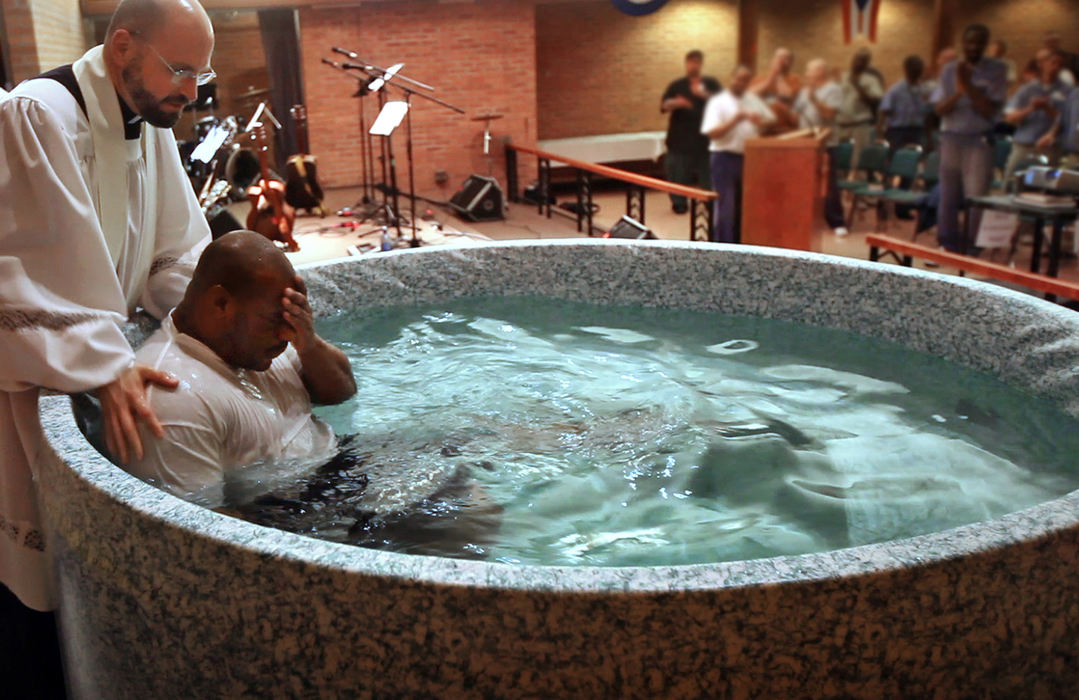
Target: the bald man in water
pixel 249 365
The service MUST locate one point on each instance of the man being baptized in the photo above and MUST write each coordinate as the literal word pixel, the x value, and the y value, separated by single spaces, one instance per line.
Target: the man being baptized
pixel 243 346
pixel 239 432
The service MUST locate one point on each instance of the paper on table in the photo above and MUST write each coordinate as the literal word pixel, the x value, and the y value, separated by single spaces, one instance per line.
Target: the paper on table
pixel 996 229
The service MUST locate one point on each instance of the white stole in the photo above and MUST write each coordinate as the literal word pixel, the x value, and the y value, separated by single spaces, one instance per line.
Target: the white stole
pixel 113 191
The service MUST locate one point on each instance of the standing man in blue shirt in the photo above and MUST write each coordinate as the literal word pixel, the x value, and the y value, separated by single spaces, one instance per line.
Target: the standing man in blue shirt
pixel 971 91
pixel 903 109
pixel 1035 111
pixel 1069 132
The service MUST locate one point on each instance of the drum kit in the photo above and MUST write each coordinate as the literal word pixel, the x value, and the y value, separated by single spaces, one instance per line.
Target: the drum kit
pixel 219 160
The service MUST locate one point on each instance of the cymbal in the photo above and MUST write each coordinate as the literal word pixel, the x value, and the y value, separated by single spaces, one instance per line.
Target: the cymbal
pixel 253 93
pixel 487 117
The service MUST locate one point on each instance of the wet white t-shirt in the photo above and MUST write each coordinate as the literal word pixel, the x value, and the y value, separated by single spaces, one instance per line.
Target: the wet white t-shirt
pixel 722 108
pixel 222 419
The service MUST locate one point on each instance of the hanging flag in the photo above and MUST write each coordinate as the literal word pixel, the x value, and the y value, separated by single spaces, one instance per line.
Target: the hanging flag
pixel 638 7
pixel 860 19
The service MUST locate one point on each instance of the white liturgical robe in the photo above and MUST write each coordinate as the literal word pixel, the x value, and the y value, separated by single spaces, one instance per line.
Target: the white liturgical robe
pixel 92 225
pixel 221 421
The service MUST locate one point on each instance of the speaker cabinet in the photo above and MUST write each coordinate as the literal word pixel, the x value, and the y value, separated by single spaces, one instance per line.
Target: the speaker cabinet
pixel 631 228
pixel 222 222
pixel 479 199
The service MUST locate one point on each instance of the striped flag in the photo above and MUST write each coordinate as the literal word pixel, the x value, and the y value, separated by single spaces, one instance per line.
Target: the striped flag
pixel 860 19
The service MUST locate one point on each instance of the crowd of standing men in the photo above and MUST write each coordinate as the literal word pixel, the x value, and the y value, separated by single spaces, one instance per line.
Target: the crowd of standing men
pixel 959 104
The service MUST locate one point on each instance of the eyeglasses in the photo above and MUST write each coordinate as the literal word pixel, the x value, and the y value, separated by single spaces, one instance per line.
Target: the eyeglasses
pixel 179 75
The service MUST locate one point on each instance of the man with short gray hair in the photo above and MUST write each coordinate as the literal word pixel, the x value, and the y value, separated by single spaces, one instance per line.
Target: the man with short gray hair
pixel 816 106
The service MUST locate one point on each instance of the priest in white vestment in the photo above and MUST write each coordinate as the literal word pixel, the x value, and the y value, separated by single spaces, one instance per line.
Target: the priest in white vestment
pixel 97 218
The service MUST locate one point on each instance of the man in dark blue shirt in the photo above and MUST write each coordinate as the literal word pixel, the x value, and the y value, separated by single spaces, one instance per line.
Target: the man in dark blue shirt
pixel 1069 132
pixel 903 109
pixel 687 149
pixel 968 99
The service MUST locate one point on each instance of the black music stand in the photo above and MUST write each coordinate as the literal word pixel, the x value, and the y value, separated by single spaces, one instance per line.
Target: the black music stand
pixel 392 77
pixel 367 207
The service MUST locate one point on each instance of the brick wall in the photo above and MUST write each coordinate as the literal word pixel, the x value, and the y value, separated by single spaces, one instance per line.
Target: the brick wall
pixel 19 28
pixel 601 71
pixel 1022 24
pixel 813 28
pixel 239 60
pixel 480 55
pixel 42 34
pixel 58 32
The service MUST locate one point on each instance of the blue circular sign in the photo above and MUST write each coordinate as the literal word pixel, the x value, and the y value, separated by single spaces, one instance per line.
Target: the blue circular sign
pixel 639 7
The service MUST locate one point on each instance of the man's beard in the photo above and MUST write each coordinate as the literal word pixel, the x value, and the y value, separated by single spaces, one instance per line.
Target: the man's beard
pixel 146 105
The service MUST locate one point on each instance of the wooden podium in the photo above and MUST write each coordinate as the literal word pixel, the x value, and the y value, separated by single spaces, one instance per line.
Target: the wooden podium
pixel 783 190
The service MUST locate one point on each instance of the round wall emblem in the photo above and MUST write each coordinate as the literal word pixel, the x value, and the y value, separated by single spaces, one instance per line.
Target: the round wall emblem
pixel 638 7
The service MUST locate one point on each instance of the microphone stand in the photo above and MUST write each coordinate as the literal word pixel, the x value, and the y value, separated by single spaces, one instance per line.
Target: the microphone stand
pixel 365 188
pixel 409 92
pixel 409 87
pixel 367 152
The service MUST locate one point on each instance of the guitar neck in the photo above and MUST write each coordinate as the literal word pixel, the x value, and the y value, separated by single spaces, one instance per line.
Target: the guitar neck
pixel 299 122
pixel 262 147
pixel 264 161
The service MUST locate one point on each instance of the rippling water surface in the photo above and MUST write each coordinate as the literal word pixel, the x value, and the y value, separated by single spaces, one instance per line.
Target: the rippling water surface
pixel 572 434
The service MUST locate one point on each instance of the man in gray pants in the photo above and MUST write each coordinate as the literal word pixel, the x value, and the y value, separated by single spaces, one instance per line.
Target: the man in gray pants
pixel 968 99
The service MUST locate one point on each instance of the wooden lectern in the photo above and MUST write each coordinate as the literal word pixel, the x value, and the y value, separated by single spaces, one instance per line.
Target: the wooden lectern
pixel 783 189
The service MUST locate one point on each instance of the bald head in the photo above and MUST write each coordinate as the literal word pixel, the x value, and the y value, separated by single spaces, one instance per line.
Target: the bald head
pixel 233 304
pixel 242 262
pixel 150 17
pixel 783 59
pixel 817 71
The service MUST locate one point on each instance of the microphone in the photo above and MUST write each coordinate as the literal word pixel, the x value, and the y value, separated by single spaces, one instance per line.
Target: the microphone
pixel 328 62
pixel 345 52
pixel 353 66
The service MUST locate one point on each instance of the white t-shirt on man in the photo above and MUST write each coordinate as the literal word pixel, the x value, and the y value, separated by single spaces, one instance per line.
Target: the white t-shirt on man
pixel 721 109
pixel 830 95
pixel 222 419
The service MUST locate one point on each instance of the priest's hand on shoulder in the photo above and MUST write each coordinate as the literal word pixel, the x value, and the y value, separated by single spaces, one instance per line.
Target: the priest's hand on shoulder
pixel 124 402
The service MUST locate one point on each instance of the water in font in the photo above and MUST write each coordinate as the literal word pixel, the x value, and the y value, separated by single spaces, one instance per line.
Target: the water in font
pixel 538 431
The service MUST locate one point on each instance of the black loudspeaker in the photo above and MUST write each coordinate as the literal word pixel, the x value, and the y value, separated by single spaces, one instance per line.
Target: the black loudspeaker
pixel 222 222
pixel 629 228
pixel 479 199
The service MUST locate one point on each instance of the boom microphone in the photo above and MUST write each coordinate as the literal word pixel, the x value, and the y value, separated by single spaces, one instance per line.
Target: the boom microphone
pixel 345 52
